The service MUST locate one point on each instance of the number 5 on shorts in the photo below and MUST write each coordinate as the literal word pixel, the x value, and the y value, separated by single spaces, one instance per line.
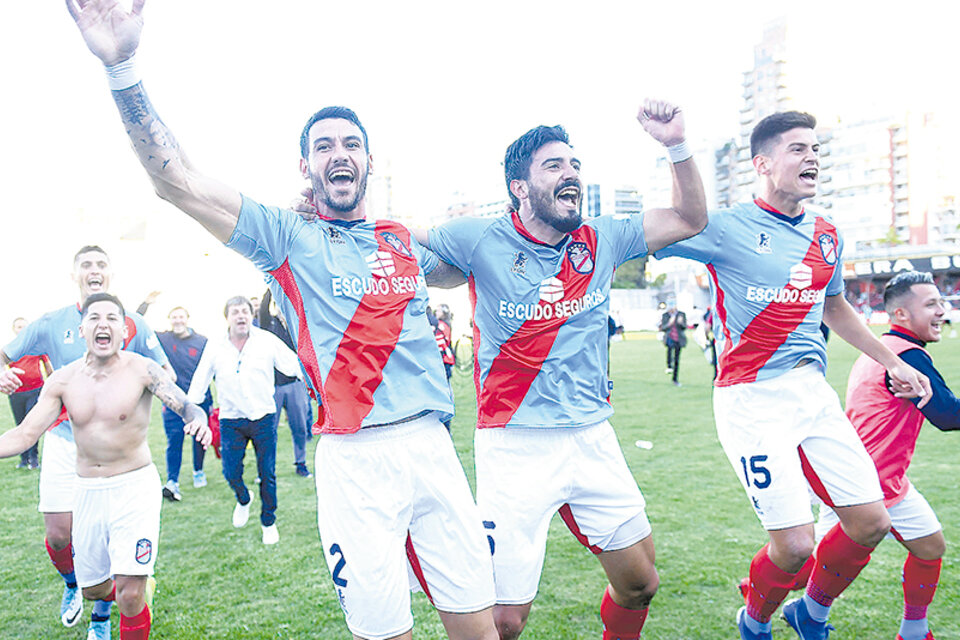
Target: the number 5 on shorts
pixel 761 475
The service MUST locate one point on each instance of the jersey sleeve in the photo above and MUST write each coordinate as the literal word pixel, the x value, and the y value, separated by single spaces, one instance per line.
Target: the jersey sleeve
pixel 146 342
pixel 455 241
pixel 625 235
pixel 943 409
pixel 428 259
pixel 264 234
pixel 31 341
pixel 702 247
pixel 836 286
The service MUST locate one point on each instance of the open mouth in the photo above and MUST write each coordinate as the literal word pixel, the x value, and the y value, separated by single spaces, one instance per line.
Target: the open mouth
pixel 810 175
pixel 341 177
pixel 95 282
pixel 101 339
pixel 569 195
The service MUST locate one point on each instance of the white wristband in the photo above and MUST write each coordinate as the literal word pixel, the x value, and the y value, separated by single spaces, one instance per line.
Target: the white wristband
pixel 123 75
pixel 679 152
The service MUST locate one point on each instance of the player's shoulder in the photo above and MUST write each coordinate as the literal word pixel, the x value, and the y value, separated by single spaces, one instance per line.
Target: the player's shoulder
pixel 472 224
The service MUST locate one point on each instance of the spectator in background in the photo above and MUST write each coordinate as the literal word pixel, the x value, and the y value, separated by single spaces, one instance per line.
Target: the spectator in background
pixel 290 393
pixel 444 335
pixel 183 347
pixel 673 323
pixel 35 369
pixel 711 339
pixel 242 364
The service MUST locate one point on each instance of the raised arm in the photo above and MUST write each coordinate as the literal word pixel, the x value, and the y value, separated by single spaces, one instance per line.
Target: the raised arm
pixel 194 418
pixel 905 381
pixel 688 215
pixel 113 35
pixel 40 417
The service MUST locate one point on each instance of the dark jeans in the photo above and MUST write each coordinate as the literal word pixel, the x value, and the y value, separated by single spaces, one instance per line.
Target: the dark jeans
pixel 20 404
pixel 234 434
pixel 173 425
pixel 673 357
pixel 293 397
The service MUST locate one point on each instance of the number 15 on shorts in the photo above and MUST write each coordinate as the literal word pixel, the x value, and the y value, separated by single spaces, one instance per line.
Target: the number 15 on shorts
pixel 755 473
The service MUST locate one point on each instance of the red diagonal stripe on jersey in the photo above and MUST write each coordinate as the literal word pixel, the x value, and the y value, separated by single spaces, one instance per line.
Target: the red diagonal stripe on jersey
pixel 721 313
pixel 521 357
pixel 305 351
pixel 368 341
pixel 770 328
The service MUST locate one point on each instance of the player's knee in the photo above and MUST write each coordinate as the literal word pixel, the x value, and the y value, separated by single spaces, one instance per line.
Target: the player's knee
pixel 130 598
pixel 510 622
pixel 870 531
pixel 790 555
pixel 638 593
pixel 58 537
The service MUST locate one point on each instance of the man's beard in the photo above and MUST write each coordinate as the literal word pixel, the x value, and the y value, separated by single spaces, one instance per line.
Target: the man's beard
pixel 543 203
pixel 321 195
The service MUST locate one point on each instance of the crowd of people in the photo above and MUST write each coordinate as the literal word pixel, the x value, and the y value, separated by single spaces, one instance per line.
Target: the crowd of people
pixel 351 325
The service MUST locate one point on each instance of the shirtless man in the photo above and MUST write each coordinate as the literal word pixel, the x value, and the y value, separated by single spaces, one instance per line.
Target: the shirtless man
pixel 108 395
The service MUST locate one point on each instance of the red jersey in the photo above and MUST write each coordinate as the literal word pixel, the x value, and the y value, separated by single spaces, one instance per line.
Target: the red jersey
pixel 35 369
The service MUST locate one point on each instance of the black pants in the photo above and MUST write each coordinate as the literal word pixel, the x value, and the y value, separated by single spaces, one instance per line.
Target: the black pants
pixel 20 404
pixel 673 358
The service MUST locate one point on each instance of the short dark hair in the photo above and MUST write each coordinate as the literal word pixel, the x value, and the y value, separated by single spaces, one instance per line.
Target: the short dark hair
pixel 87 249
pixel 900 285
pixel 342 113
pixel 184 309
pixel 770 128
pixel 14 323
pixel 237 301
pixel 516 162
pixel 101 297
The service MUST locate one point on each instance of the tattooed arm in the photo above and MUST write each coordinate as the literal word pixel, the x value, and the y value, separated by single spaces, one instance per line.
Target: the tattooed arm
pixel 194 418
pixel 113 34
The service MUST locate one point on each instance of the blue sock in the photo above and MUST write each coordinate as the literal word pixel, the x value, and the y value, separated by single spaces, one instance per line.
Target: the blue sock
pixel 817 611
pixel 914 629
pixel 70 579
pixel 101 610
pixel 756 626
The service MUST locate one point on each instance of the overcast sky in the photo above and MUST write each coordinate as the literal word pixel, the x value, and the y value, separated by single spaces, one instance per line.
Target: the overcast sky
pixel 442 88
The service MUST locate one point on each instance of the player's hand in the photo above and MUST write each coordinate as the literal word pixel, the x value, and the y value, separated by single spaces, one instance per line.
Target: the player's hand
pixel 304 206
pixel 111 33
pixel 663 121
pixel 200 431
pixel 907 382
pixel 10 380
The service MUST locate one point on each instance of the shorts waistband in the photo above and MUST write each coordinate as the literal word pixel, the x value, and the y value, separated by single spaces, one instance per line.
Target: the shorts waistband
pixel 109 482
pixel 392 431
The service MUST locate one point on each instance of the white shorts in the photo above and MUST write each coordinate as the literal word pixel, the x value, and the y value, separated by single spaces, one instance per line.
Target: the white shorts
pixel 524 476
pixel 116 525
pixel 58 474
pixel 911 518
pixel 386 493
pixel 789 433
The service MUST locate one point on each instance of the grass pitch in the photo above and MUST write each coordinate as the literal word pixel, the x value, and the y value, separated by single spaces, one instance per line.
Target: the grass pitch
pixel 219 582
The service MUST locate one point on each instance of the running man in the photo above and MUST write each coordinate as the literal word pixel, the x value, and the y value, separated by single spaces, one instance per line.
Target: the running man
pixel 541 282
pixel 776 272
pixel 108 393
pixel 55 334
pixel 355 293
pixel 889 427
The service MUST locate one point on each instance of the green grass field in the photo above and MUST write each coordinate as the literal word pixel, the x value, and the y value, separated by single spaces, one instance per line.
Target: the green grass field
pixel 219 582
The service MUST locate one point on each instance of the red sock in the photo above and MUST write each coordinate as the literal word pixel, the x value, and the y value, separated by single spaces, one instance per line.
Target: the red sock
pixel 920 579
pixel 800 580
pixel 113 594
pixel 839 561
pixel 62 559
pixel 135 627
pixel 769 585
pixel 620 623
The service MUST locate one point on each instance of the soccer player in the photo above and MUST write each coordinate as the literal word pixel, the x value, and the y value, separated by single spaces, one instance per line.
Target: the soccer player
pixel 889 427
pixel 775 273
pixel 541 281
pixel 55 334
pixel 117 510
pixel 354 291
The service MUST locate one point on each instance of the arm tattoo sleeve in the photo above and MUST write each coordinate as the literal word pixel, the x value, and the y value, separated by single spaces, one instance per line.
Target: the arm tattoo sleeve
pixel 166 391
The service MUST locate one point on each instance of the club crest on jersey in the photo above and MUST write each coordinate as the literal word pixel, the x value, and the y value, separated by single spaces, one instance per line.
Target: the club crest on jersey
pixel 144 551
pixel 828 248
pixel 580 257
pixel 334 235
pixel 551 290
pixel 381 263
pixel 519 263
pixel 68 336
pixel 396 243
pixel 763 243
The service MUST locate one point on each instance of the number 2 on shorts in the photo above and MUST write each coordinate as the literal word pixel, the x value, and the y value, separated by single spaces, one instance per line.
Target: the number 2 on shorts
pixel 341 563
